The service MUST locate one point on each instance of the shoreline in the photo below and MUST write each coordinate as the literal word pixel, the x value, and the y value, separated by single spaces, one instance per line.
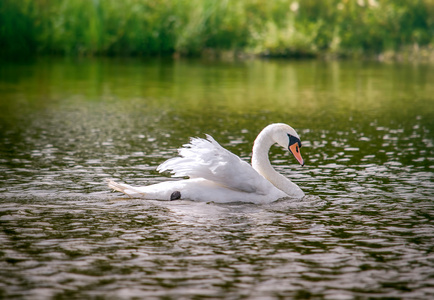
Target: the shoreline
pixel 408 54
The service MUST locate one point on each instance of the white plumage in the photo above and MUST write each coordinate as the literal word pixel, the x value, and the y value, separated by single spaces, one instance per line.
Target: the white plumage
pixel 215 174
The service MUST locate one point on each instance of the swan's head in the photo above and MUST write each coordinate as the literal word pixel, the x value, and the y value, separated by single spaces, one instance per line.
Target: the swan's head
pixel 285 136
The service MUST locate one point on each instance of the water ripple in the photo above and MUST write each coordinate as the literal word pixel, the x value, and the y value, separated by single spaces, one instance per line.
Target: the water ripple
pixel 365 229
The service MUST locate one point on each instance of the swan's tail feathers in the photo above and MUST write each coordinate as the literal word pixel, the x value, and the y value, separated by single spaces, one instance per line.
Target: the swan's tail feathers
pixel 125 188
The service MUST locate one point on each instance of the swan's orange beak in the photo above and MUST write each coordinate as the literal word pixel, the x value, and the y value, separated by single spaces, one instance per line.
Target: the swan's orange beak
pixel 295 150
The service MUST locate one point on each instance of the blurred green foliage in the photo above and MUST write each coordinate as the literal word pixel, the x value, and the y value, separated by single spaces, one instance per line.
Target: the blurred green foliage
pixel 190 27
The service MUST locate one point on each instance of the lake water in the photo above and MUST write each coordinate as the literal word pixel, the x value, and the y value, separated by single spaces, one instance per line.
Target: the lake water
pixel 365 229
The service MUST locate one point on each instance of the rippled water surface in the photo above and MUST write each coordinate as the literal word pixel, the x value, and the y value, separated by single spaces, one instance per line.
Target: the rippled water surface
pixel 365 230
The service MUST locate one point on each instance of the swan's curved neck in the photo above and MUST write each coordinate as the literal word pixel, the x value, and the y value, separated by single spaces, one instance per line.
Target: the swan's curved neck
pixel 260 161
pixel 262 165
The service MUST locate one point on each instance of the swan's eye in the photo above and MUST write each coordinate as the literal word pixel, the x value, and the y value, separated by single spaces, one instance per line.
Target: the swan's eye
pixel 293 140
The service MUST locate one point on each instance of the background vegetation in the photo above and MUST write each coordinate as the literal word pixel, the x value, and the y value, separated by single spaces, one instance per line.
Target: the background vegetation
pixel 193 27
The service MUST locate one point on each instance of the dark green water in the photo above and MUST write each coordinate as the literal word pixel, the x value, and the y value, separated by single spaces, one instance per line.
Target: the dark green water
pixel 365 229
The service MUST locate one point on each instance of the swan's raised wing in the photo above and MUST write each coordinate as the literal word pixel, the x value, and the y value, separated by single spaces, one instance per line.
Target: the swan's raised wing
pixel 205 158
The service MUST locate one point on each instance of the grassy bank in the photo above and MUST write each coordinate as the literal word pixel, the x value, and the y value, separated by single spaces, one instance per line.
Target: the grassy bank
pixel 192 27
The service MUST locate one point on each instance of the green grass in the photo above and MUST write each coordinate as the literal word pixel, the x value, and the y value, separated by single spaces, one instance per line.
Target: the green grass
pixel 191 27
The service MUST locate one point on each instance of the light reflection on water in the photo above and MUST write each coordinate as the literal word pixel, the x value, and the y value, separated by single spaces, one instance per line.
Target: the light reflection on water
pixel 364 230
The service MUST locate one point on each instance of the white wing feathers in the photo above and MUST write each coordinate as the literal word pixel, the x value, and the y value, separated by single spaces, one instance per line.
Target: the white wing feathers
pixel 205 158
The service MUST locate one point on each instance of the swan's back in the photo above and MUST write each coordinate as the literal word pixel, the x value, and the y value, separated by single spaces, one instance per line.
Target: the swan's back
pixel 205 158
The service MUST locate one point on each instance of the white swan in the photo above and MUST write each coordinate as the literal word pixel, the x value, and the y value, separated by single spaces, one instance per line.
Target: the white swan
pixel 220 176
